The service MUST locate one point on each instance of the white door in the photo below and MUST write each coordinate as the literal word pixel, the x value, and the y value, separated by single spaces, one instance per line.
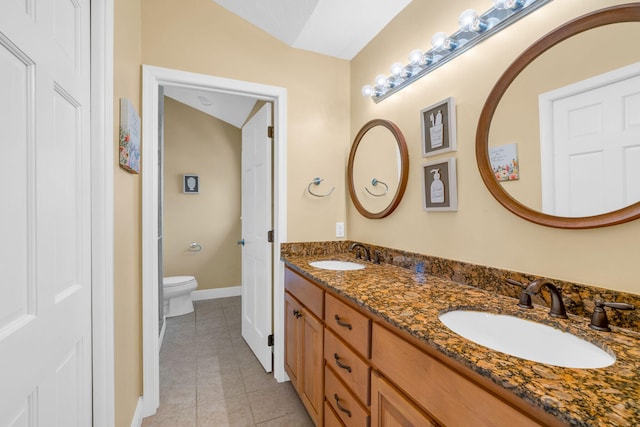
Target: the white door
pixel 257 251
pixel 45 242
pixel 593 149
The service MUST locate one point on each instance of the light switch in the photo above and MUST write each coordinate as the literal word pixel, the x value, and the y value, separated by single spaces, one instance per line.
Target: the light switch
pixel 339 229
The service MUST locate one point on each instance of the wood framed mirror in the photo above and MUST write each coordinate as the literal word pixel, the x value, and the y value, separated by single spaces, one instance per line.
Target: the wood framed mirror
pixel 596 21
pixel 378 169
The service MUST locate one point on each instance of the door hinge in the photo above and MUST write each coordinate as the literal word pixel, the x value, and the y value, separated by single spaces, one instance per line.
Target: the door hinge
pixel 270 236
pixel 270 131
pixel 270 340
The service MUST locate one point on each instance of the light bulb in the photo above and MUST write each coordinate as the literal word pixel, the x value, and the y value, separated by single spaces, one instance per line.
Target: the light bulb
pixel 508 4
pixel 469 20
pixel 381 80
pixel 415 57
pixel 397 69
pixel 441 42
pixel 367 90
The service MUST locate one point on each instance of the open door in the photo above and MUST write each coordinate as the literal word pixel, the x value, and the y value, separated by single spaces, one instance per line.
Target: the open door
pixel 257 250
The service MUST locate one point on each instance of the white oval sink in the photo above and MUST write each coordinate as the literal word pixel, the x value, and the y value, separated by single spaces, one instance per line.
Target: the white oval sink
pixel 526 339
pixel 336 265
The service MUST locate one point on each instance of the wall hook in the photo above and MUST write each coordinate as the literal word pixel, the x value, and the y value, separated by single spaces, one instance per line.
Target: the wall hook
pixel 317 181
pixel 375 182
pixel 195 247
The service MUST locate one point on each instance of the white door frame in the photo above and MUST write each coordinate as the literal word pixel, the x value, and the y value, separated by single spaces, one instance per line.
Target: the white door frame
pixel 152 78
pixel 102 164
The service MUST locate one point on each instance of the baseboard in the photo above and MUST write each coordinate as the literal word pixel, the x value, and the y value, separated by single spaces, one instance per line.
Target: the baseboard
pixel 137 415
pixel 204 294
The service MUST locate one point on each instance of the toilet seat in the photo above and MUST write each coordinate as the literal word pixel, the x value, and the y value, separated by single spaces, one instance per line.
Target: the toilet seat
pixel 177 281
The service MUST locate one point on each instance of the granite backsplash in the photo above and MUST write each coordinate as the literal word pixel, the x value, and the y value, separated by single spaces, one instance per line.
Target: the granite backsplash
pixel 578 298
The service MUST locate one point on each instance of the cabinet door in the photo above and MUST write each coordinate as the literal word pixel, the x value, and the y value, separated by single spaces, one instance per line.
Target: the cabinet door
pixel 312 357
pixel 389 408
pixel 292 332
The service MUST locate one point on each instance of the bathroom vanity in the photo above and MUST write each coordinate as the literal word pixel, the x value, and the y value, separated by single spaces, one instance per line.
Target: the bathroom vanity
pixel 366 347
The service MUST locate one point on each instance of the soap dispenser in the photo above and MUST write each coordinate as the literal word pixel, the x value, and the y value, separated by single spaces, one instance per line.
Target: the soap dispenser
pixel 437 187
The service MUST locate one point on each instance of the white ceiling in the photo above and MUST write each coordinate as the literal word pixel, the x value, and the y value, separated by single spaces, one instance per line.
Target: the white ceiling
pixel 338 28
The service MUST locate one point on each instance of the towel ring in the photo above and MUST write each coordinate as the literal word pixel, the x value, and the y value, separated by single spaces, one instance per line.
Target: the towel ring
pixel 195 247
pixel 375 182
pixel 317 181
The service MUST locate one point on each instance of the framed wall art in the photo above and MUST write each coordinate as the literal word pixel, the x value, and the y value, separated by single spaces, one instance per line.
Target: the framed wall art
pixel 439 185
pixel 438 128
pixel 191 184
pixel 129 137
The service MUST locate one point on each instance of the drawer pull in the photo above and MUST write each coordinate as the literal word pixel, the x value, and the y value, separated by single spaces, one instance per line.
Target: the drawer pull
pixel 340 364
pixel 342 323
pixel 297 314
pixel 342 408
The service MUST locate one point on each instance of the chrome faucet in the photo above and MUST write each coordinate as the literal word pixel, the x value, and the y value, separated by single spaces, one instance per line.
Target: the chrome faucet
pixel 367 254
pixel 557 306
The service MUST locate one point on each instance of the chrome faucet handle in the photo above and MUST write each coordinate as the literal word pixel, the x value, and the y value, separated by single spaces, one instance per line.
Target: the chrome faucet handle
pixel 599 319
pixel 525 298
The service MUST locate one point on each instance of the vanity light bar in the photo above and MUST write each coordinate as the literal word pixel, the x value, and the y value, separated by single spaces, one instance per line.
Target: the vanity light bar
pixel 473 28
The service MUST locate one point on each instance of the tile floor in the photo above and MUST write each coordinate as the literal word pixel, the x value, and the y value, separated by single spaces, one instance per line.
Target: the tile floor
pixel 210 377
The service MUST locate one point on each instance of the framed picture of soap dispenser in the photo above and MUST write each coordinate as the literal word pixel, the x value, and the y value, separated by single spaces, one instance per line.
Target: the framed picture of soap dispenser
pixel 439 185
pixel 438 123
pixel 190 184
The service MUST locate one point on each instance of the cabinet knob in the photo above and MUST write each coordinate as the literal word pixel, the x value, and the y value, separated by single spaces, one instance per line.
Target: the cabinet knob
pixel 297 314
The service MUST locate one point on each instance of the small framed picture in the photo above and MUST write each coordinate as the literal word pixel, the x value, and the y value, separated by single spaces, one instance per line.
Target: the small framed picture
pixel 439 128
pixel 191 184
pixel 439 185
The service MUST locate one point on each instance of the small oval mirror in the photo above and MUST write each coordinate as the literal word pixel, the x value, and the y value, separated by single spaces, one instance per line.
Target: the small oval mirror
pixel 378 169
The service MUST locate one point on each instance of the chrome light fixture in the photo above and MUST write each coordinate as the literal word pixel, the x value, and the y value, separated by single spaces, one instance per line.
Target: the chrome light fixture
pixel 473 28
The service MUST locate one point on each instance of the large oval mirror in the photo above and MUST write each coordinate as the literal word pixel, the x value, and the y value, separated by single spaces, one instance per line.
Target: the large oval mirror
pixel 558 139
pixel 378 169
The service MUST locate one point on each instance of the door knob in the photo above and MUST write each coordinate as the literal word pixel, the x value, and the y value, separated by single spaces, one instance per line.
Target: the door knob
pixel 240 242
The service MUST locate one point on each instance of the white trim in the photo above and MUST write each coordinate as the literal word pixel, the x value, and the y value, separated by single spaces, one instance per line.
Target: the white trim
pixel 205 294
pixel 137 415
pixel 102 234
pixel 162 332
pixel 152 78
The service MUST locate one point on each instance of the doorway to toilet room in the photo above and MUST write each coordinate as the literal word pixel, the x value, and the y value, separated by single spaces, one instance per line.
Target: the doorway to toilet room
pixel 258 319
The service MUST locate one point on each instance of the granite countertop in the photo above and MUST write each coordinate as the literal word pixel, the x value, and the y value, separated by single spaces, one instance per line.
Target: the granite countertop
pixel 413 301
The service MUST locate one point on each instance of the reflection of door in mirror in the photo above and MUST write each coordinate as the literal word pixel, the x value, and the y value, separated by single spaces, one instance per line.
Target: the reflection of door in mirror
pixel 515 121
pixel 378 159
pixel 590 144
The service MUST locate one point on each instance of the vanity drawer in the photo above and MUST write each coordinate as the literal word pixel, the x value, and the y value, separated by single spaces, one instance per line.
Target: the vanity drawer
pixel 352 326
pixel 348 366
pixel 345 404
pixel 330 417
pixel 305 291
pixel 448 396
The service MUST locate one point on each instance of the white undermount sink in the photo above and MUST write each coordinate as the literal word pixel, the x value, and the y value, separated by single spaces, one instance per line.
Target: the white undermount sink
pixel 336 265
pixel 526 339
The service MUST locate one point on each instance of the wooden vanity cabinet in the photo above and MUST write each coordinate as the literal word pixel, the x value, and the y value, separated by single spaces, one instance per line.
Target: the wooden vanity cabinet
pixel 304 332
pixel 389 407
pixel 443 393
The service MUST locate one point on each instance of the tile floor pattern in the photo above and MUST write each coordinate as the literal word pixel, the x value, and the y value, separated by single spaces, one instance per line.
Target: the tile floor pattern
pixel 210 377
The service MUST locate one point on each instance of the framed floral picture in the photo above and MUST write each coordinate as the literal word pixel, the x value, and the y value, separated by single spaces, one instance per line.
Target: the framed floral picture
pixel 438 128
pixel 129 137
pixel 439 185
pixel 191 184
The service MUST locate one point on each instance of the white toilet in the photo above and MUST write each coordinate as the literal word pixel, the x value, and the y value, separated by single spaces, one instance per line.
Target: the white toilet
pixel 176 292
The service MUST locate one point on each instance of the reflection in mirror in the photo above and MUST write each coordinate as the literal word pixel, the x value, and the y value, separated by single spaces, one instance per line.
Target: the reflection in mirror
pixel 584 116
pixel 378 169
pixel 564 182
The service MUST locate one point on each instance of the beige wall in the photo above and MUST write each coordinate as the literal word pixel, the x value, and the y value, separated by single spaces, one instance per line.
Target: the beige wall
pixel 481 231
pixel 127 200
pixel 202 37
pixel 196 143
